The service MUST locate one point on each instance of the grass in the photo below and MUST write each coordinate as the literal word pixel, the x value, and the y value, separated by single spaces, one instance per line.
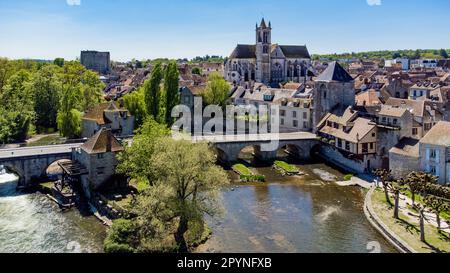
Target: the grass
pixel 246 175
pixel 408 228
pixel 286 167
pixel 242 169
pixel 48 140
pixel 419 199
pixel 348 177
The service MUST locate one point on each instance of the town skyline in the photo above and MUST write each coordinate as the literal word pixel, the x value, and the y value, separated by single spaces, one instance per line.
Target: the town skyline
pixel 63 28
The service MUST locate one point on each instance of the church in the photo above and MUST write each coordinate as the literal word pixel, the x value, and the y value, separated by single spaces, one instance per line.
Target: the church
pixel 267 63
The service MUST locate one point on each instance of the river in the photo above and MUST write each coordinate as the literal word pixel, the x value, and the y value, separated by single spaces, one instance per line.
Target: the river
pixel 31 223
pixel 308 214
pixel 286 214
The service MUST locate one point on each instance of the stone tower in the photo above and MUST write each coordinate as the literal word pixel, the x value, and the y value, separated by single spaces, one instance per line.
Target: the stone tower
pixel 263 46
pixel 334 92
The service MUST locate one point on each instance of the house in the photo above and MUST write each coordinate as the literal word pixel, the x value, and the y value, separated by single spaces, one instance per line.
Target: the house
pixel 422 89
pixel 368 98
pixel 110 116
pixel 295 114
pixel 435 152
pixel 354 137
pixel 404 157
pixel 98 156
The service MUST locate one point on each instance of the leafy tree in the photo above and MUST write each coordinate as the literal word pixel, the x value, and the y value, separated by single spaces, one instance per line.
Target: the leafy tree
pixel 385 177
pixel 59 62
pixel 187 182
pixel 122 237
pixel 47 89
pixel 415 184
pixel 134 161
pixel 152 90
pixel 217 90
pixel 443 53
pixel 197 71
pixel 437 205
pixel 135 103
pixel 171 90
pixel 92 89
pixel 183 185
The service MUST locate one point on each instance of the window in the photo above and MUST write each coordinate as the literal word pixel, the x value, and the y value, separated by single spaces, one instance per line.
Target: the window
pixel 374 134
pixel 432 153
pixel 395 121
pixel 365 148
pixel 372 146
pixel 294 114
pixel 305 115
pixel 283 113
pixel 340 143
pixel 100 156
pixel 415 131
pixel 384 119
pixel 347 146
pixel 282 121
pixel 305 125
pixel 295 123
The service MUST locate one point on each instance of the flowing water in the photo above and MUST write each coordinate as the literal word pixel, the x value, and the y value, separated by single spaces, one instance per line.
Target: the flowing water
pixel 287 214
pixel 307 214
pixel 31 223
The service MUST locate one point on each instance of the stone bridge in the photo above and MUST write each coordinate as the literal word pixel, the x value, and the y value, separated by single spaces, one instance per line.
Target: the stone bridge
pixel 229 147
pixel 32 163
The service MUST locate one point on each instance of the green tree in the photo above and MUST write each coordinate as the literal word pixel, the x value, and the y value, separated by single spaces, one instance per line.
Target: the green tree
pixel 217 90
pixel 385 178
pixel 152 90
pixel 92 89
pixel 187 186
pixel 171 90
pixel 197 71
pixel 443 53
pixel 135 103
pixel 122 237
pixel 47 89
pixel 59 62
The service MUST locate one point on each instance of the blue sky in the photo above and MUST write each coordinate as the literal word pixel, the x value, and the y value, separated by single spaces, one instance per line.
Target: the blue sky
pixel 186 28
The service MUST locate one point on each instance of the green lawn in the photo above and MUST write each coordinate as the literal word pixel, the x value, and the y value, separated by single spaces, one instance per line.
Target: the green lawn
pixel 419 199
pixel 408 228
pixel 48 140
pixel 286 167
pixel 242 169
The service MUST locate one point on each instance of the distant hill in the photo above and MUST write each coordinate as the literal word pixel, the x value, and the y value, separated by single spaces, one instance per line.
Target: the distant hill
pixel 388 54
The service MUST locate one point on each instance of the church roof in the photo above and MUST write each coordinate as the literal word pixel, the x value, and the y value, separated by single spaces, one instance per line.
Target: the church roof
pixel 295 52
pixel 263 23
pixel 244 52
pixel 334 72
pixel 249 52
pixel 102 142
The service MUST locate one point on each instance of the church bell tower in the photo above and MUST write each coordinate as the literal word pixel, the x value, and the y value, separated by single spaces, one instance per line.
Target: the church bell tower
pixel 263 48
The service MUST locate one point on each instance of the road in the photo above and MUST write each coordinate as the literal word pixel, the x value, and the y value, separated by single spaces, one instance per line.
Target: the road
pixel 254 138
pixel 33 151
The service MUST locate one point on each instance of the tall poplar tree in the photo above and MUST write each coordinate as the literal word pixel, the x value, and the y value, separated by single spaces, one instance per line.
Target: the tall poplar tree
pixel 171 90
pixel 152 91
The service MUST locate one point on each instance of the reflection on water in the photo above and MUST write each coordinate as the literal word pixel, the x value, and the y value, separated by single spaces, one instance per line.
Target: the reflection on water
pixel 306 214
pixel 30 223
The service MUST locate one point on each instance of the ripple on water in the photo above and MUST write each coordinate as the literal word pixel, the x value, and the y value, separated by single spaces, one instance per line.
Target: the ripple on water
pixel 30 223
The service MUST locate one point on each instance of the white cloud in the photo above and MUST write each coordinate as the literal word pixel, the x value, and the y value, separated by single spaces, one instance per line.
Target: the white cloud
pixel 73 2
pixel 374 2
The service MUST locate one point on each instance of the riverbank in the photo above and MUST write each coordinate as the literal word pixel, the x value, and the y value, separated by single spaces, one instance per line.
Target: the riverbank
pixel 404 234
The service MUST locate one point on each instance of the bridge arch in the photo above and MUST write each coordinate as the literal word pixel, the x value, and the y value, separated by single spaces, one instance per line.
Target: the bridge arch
pixel 293 150
pixel 16 170
pixel 53 171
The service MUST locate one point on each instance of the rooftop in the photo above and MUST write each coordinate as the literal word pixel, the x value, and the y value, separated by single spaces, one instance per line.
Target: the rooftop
pixel 438 135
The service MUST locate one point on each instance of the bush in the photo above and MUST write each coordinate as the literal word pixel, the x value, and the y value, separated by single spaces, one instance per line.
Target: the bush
pixel 122 237
pixel 253 178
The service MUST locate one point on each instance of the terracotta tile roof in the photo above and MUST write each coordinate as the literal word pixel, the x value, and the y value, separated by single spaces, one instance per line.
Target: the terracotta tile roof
pixel 392 111
pixel 102 142
pixel 368 98
pixel 438 135
pixel 361 128
pixel 417 107
pixel 97 113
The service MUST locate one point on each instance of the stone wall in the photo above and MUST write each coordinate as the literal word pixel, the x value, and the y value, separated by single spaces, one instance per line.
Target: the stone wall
pixel 402 165
pixel 97 61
